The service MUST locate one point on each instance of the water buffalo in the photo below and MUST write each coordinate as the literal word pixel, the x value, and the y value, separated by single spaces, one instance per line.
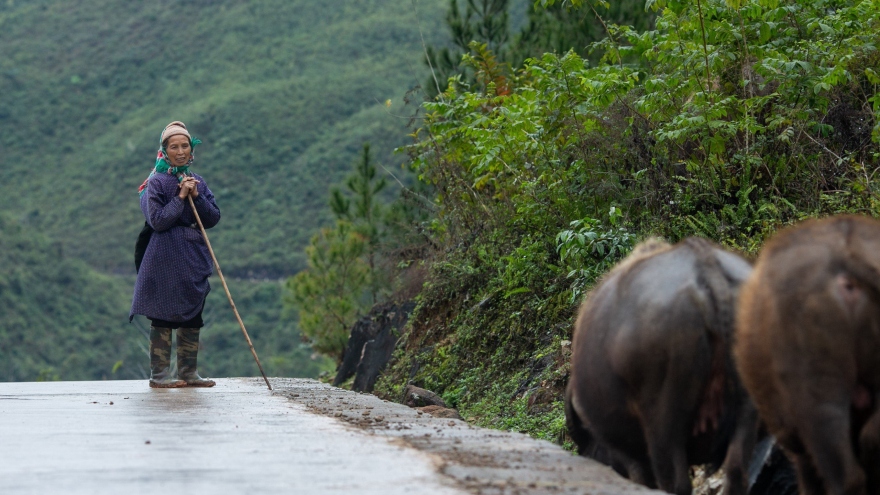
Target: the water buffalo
pixel 652 383
pixel 808 350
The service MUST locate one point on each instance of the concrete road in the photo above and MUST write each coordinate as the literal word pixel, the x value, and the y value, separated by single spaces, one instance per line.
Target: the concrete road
pixel 122 437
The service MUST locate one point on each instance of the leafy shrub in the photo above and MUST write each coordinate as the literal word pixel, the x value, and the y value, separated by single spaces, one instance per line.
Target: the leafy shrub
pixel 726 120
pixel 588 250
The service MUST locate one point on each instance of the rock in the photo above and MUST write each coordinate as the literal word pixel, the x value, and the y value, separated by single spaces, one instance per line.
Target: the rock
pixel 351 356
pixel 440 412
pixel 370 345
pixel 540 395
pixel 374 357
pixel 418 397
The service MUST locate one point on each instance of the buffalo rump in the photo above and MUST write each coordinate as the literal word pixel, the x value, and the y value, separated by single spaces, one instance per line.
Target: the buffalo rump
pixel 652 383
pixel 808 350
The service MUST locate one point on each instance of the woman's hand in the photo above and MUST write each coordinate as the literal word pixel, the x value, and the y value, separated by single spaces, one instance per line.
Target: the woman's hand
pixel 188 187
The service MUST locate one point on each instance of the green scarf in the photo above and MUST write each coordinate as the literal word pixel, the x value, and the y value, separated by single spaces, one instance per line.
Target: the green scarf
pixel 163 167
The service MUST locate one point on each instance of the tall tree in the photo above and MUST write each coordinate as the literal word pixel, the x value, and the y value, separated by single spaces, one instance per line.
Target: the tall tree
pixel 341 281
pixel 485 21
pixel 361 208
pixel 327 296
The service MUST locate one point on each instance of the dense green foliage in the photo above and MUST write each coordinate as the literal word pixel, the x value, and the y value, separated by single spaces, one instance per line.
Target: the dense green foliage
pixel 728 120
pixel 557 28
pixel 283 94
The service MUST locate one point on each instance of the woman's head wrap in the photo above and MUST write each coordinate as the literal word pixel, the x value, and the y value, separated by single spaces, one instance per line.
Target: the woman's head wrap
pixel 173 129
pixel 162 165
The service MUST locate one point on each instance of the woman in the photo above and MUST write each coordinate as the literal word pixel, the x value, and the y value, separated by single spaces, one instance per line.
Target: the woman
pixel 172 280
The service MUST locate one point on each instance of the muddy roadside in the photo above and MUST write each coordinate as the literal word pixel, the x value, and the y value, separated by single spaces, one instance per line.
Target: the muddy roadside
pixel 481 460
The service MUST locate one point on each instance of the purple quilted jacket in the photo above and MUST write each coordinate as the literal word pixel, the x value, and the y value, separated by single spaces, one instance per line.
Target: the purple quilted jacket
pixel 172 282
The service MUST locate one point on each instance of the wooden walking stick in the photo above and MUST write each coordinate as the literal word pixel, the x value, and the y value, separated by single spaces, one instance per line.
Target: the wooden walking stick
pixel 231 302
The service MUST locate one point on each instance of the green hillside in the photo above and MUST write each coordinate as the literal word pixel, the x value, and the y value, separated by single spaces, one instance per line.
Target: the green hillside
pixel 60 319
pixel 283 93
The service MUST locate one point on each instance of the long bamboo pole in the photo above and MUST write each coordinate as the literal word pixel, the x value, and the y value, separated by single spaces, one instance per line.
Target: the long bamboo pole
pixel 222 279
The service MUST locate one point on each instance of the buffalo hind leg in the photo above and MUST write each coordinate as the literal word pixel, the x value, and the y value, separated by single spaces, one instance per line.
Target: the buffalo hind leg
pixel 587 444
pixel 826 437
pixel 739 452
pixel 639 472
pixel 669 460
pixel 667 447
pixel 809 482
pixel 636 470
pixel 869 450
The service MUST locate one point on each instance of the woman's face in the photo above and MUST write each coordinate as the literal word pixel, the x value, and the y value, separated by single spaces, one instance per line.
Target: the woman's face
pixel 178 150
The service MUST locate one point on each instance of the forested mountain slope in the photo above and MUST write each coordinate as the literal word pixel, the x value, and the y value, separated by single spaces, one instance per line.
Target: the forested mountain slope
pixel 283 93
pixel 61 319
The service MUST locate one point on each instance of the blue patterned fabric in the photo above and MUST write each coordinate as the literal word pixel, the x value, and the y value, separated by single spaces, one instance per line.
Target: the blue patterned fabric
pixel 172 282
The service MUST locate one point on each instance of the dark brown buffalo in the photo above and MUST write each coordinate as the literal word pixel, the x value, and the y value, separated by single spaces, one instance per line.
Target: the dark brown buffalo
pixel 652 382
pixel 808 350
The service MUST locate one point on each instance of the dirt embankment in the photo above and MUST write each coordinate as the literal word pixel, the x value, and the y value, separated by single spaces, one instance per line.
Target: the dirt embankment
pixel 481 460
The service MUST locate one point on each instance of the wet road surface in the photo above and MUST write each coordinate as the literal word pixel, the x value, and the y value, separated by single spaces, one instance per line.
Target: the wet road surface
pixel 122 437
pixel 125 438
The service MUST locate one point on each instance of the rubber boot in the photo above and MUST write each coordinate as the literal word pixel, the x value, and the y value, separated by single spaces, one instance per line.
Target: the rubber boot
pixel 187 358
pixel 160 360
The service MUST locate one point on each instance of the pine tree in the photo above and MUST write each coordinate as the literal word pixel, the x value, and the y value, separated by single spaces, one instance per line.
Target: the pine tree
pixel 341 281
pixel 327 295
pixel 485 21
pixel 364 211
